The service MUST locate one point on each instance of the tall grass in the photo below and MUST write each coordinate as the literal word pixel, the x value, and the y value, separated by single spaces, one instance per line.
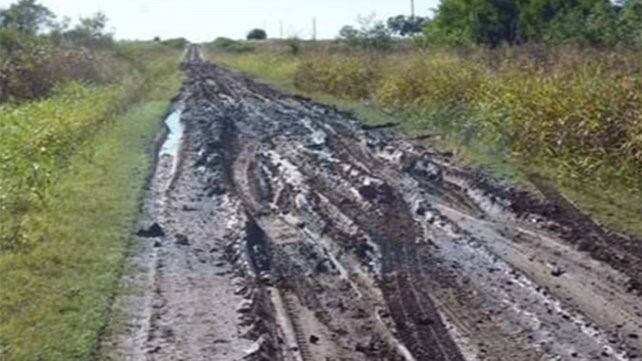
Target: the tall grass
pixel 72 177
pixel 275 67
pixel 581 110
pixel 39 137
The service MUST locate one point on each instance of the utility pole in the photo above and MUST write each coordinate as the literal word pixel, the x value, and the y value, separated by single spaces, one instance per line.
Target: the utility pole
pixel 412 8
pixel 281 29
pixel 314 29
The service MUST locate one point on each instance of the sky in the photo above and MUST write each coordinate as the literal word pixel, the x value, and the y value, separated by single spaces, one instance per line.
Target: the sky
pixel 205 20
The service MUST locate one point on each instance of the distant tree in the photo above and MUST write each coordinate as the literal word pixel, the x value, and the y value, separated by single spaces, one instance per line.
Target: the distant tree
pixel 406 25
pixel 91 32
pixel 26 16
pixel 59 29
pixel 590 22
pixel 257 34
pixel 157 39
pixel 349 35
pixel 372 35
pixel 494 22
pixel 630 22
pixel 451 23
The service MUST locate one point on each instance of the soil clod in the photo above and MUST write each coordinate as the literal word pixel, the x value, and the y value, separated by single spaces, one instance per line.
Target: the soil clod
pixel 152 231
pixel 182 240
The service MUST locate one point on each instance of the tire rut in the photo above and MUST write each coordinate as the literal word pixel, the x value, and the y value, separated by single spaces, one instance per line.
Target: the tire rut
pixel 321 239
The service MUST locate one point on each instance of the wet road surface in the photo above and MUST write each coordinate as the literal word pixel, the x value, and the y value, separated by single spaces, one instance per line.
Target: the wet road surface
pixel 292 232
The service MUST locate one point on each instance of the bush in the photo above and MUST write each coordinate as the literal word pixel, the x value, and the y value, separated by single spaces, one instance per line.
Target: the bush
pixel 232 46
pixel 177 43
pixel 293 45
pixel 34 67
pixel 350 77
pixel 422 79
pixel 257 34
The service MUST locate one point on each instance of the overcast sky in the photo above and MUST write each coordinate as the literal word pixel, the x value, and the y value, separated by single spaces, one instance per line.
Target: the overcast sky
pixel 203 20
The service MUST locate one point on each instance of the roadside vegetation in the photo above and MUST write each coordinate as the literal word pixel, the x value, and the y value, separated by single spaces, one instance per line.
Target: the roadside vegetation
pixel 549 88
pixel 78 115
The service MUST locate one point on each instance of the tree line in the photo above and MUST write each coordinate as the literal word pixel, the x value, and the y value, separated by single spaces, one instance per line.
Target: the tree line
pixel 39 50
pixel 509 22
pixel 28 20
pixel 513 22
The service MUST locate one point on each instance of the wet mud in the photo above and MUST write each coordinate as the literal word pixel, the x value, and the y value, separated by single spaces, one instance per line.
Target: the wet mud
pixel 291 231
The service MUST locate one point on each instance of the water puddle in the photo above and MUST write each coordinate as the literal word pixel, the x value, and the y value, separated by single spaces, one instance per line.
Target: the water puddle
pixel 176 130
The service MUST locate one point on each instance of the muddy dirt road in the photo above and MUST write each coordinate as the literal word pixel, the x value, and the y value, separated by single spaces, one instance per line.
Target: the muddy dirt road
pixel 286 230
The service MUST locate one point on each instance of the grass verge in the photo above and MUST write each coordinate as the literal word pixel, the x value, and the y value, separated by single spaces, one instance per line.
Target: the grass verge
pixel 55 296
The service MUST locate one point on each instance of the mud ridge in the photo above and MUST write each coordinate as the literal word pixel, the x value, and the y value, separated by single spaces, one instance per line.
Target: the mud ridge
pixel 293 232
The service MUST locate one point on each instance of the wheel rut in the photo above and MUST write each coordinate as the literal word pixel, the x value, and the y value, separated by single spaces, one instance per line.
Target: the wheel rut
pixel 292 232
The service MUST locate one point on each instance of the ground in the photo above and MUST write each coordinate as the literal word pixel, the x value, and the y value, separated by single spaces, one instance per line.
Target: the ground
pixel 284 229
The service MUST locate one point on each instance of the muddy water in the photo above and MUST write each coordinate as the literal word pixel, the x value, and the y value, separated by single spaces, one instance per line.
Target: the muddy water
pixel 175 136
pixel 292 233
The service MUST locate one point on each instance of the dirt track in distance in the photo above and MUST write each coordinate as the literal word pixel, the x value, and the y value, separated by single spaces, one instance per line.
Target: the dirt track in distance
pixel 292 232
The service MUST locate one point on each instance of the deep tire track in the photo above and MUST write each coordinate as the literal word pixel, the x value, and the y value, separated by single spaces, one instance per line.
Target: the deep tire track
pixel 340 243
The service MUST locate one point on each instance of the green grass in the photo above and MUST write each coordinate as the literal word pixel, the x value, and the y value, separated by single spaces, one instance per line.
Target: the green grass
pixel 56 294
pixel 276 68
pixel 612 203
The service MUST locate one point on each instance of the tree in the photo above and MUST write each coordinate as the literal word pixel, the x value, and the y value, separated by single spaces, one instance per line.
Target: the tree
pixel 630 22
pixel 372 35
pixel 257 34
pixel 493 22
pixel 9 40
pixel 350 35
pixel 590 22
pixel 90 32
pixel 59 29
pixel 26 16
pixel 406 25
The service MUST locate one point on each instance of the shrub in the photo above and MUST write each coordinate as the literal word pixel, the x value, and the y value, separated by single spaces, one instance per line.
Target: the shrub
pixel 177 43
pixel 293 45
pixel 34 67
pixel 351 77
pixel 232 46
pixel 422 79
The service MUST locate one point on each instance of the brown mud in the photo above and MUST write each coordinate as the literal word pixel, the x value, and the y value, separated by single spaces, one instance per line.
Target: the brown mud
pixel 293 232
